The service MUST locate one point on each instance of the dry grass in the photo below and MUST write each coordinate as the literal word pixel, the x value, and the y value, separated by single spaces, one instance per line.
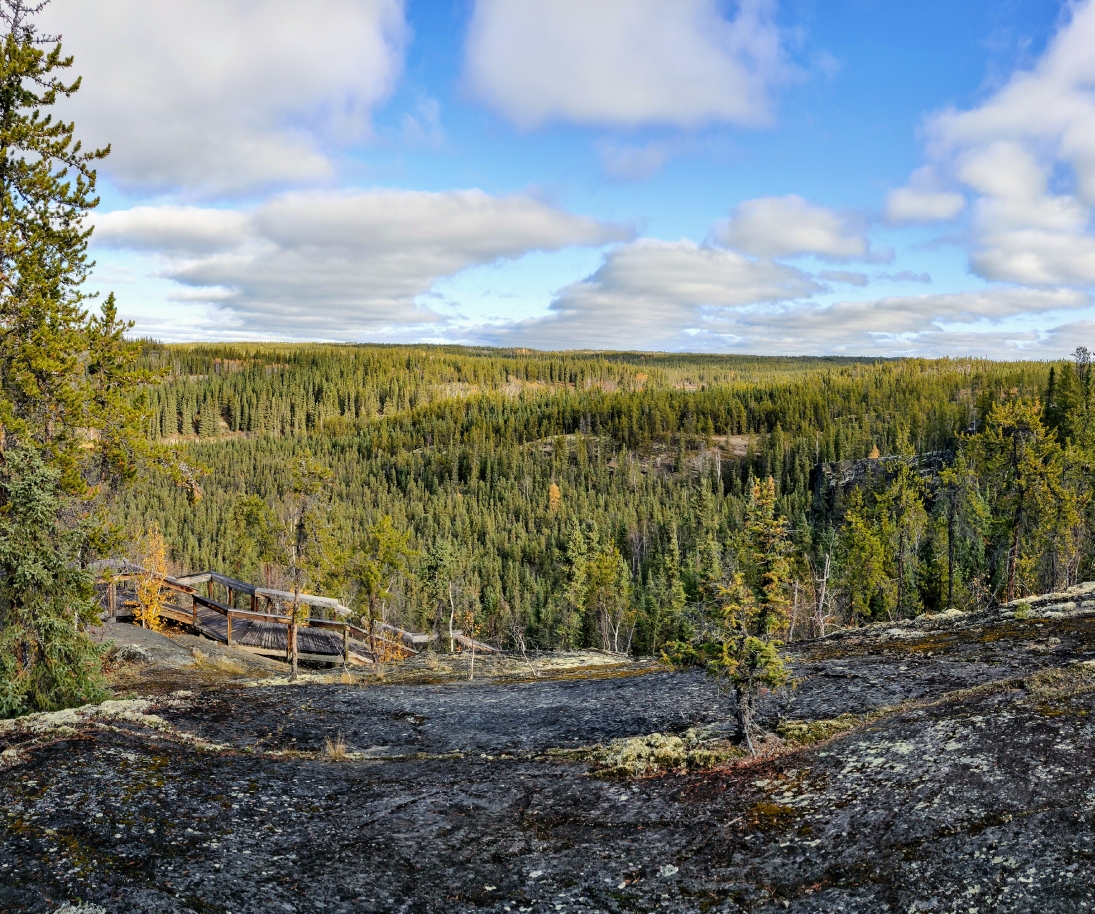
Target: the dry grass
pixel 810 732
pixel 1061 683
pixel 335 749
pixel 215 662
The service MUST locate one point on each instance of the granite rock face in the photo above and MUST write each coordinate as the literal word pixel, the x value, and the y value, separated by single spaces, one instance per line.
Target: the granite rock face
pixel 953 774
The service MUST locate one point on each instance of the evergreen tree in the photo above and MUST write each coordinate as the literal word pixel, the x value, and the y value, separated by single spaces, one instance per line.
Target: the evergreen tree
pixel 903 500
pixel 209 419
pixel 386 554
pixel 741 650
pixel 863 566
pixel 71 423
pixel 1021 462
pixel 46 662
pixel 304 533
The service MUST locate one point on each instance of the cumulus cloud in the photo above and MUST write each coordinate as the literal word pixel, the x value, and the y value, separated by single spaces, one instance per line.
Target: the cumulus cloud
pixel 625 62
pixel 652 294
pixel 225 95
pixel 790 226
pixel 1027 154
pixel 332 265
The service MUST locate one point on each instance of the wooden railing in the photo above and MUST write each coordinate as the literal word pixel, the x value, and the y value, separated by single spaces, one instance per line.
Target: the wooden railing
pixel 396 643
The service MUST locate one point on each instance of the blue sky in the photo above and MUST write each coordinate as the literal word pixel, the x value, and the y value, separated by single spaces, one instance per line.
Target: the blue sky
pixel 858 177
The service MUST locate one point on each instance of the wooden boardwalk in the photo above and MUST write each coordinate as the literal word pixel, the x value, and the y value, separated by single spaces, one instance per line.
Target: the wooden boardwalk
pixel 267 632
pixel 268 638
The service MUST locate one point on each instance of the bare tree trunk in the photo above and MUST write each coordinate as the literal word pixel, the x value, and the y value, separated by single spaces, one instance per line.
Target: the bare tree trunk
pixel 293 649
pixel 372 630
pixel 452 613
pixel 1013 553
pixel 951 509
pixel 900 574
pixel 293 625
pixel 823 595
pixel 743 713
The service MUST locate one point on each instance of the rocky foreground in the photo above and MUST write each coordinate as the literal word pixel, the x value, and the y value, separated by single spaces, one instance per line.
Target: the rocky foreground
pixel 941 765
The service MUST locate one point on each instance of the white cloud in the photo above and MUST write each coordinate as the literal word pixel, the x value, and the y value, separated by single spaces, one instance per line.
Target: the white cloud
pixel 625 62
pixel 344 265
pixel 176 229
pixel 1028 155
pixel 789 226
pixel 649 294
pixel 683 296
pixel 906 204
pixel 916 325
pixel 222 95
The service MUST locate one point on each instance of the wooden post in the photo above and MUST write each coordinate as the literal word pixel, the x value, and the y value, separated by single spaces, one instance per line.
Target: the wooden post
pixel 194 610
pixel 231 597
pixel 112 599
pixel 228 639
pixel 254 602
pixel 345 645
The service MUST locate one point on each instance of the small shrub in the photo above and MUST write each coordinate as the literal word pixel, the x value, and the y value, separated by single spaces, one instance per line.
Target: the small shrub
pixel 1022 611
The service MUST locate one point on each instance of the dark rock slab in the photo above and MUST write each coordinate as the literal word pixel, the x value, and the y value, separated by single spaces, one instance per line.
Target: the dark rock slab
pixel 974 794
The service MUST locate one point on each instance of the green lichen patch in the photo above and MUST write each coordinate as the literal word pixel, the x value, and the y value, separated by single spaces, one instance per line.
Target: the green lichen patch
pixel 655 753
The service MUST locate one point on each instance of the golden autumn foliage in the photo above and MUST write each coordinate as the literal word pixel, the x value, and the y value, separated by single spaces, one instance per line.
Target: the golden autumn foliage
pixel 150 592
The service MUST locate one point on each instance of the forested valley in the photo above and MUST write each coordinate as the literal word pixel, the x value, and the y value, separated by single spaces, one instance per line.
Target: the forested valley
pixel 570 500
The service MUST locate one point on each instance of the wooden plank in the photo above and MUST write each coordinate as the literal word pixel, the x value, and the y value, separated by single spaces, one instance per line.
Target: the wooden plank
pixel 284 596
pixel 468 643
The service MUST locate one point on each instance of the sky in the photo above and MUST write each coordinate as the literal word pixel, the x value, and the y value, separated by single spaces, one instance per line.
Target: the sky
pixel 850 177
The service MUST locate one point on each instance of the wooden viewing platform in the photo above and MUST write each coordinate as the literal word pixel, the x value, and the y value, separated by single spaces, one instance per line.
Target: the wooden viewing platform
pixel 263 629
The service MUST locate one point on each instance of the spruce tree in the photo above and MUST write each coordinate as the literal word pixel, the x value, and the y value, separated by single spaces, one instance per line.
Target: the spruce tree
pixel 70 426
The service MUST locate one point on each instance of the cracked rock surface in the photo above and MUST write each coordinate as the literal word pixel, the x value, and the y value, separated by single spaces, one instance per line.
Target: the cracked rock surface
pixel 966 786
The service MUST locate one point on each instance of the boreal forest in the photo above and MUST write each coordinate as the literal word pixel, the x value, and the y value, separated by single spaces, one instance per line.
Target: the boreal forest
pixel 599 500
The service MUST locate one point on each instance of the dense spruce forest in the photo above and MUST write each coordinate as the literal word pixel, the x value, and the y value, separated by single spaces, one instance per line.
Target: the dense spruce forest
pixel 592 499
